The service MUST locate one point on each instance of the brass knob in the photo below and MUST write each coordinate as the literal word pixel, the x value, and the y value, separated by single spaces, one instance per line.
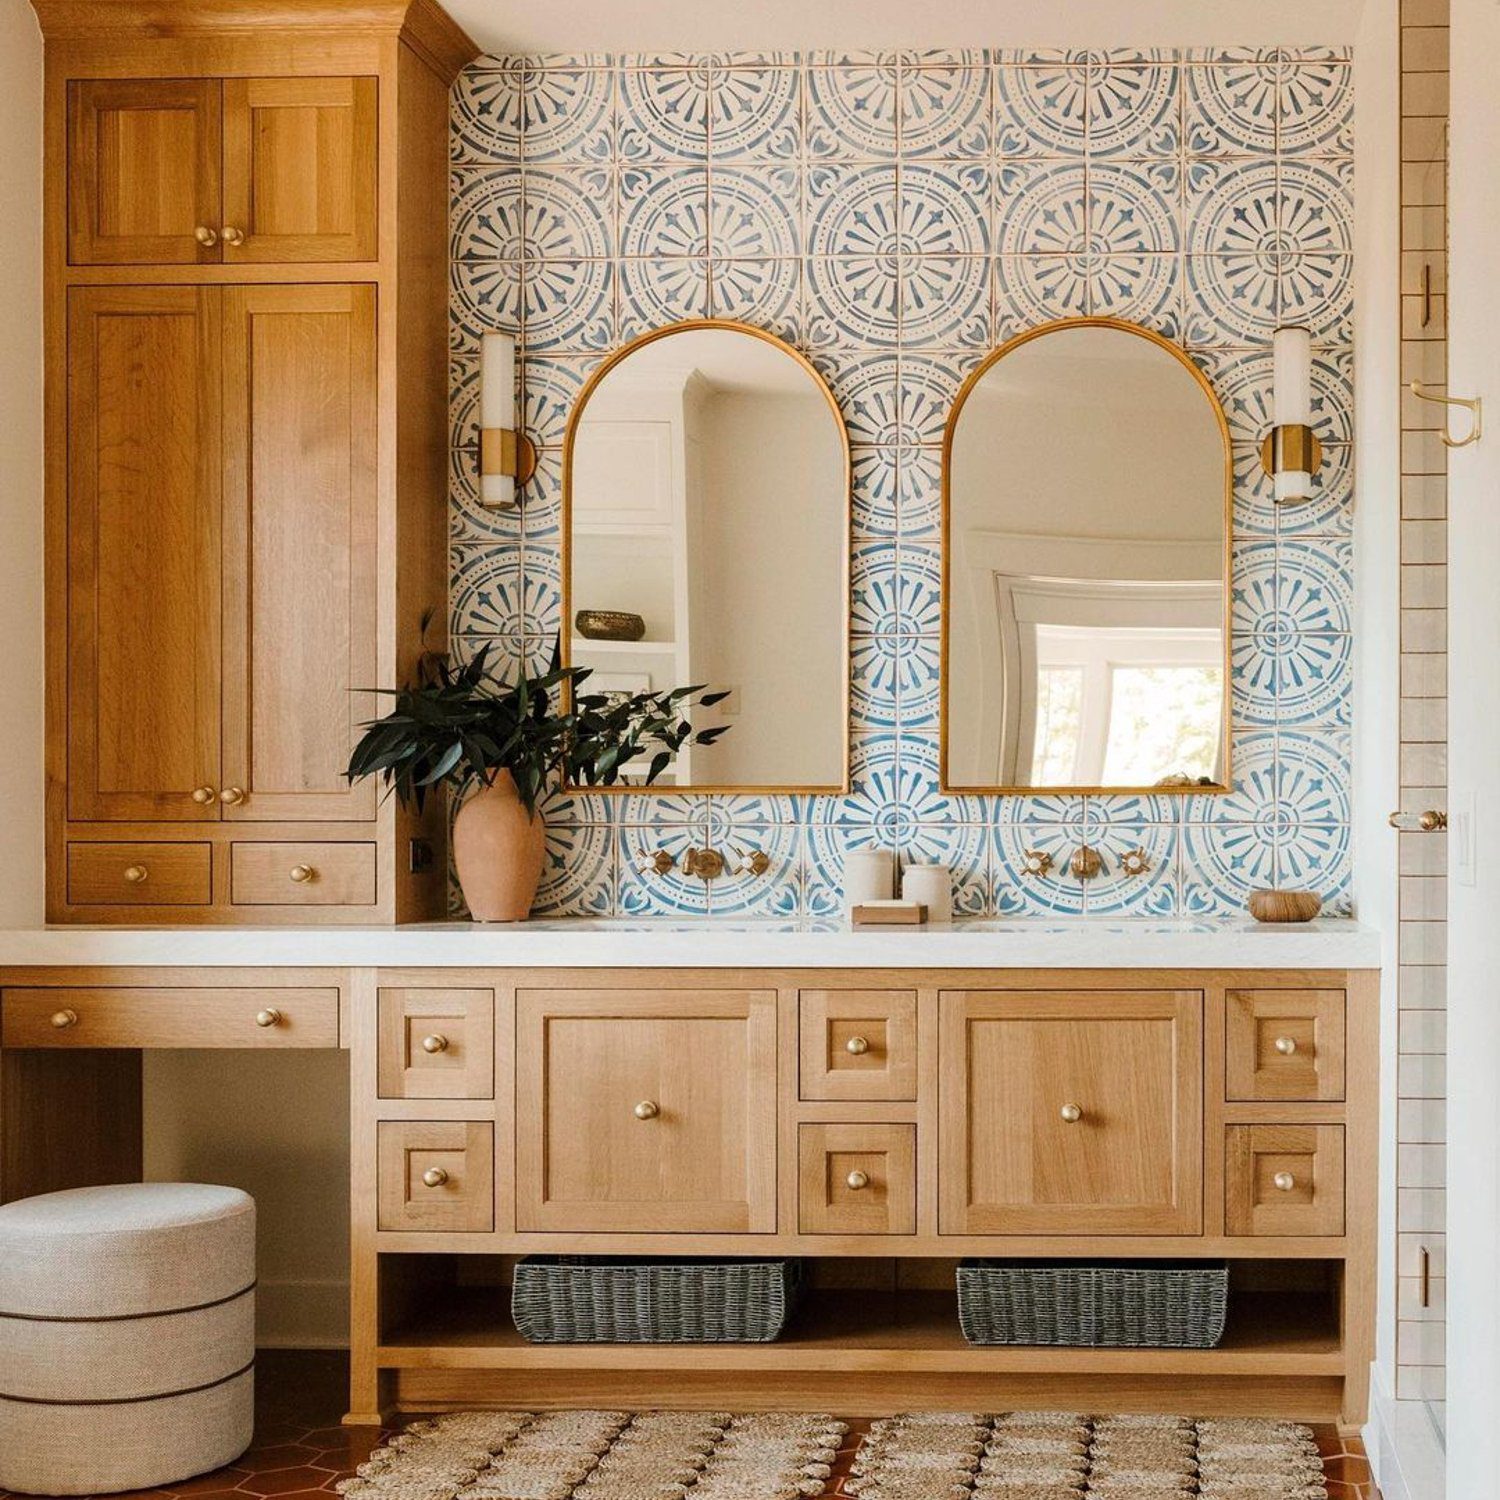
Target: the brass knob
pixel 1284 1182
pixel 647 1109
pixel 135 874
pixel 268 1017
pixel 233 236
pixel 857 1181
pixel 434 1177
pixel 435 1043
pixel 203 795
pixel 757 863
pixel 231 795
pixel 62 1019
pixel 1036 862
pixel 1135 862
pixel 302 874
pixel 1085 863
pixel 856 1046
pixel 1286 1045
pixel 1072 1113
pixel 206 236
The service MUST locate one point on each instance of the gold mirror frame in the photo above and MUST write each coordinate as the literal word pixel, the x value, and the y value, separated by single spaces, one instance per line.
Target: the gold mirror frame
pixel 565 629
pixel 959 401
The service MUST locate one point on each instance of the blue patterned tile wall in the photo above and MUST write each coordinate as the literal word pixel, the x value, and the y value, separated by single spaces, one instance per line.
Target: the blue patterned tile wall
pixel 896 216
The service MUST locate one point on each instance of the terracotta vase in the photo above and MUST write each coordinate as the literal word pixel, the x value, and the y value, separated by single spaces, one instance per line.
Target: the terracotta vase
pixel 498 850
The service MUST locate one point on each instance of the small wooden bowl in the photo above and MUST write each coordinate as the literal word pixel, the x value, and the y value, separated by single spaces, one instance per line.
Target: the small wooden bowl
pixel 609 625
pixel 1285 906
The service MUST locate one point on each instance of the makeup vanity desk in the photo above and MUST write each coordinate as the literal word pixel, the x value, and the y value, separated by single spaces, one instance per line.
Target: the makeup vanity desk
pixel 881 1102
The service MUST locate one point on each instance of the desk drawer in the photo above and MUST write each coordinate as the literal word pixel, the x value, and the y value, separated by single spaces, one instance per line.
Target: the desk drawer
pixel 857 1179
pixel 302 874
pixel 1284 1179
pixel 1284 1045
pixel 140 874
pixel 436 1175
pixel 858 1044
pixel 164 1017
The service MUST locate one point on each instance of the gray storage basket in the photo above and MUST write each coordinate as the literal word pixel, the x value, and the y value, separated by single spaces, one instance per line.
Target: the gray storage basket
pixel 1133 1304
pixel 575 1299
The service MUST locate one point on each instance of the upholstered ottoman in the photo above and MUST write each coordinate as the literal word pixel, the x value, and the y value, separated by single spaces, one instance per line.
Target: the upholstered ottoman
pixel 127 1336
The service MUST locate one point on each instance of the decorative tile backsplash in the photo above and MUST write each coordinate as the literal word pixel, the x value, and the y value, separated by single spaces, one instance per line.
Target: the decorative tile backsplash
pixel 896 216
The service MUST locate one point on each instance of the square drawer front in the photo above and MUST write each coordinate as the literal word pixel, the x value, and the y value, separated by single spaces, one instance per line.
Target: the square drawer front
pixel 1284 1179
pixel 1284 1044
pixel 858 1044
pixel 140 874
pixel 436 1175
pixel 302 874
pixel 857 1179
pixel 437 1044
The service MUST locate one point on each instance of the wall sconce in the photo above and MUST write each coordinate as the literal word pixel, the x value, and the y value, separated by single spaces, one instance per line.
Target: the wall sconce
pixel 1291 452
pixel 507 457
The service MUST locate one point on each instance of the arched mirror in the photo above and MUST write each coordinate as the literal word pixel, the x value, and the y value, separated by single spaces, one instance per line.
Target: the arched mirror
pixel 1087 490
pixel 706 484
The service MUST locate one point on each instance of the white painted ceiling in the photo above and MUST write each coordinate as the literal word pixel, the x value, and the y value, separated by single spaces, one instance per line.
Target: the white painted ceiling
pixel 502 26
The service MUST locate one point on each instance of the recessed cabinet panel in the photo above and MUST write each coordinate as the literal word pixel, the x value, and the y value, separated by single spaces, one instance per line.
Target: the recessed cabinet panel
pixel 1283 1044
pixel 858 1044
pixel 1071 1113
pixel 1284 1179
pixel 436 1175
pixel 437 1044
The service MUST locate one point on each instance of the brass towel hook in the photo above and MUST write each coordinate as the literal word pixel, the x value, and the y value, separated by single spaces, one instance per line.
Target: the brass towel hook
pixel 1474 407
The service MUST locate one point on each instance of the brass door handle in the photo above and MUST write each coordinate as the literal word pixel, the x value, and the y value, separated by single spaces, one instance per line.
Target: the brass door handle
pixel 206 236
pixel 268 1017
pixel 62 1019
pixel 203 795
pixel 135 874
pixel 302 874
pixel 434 1177
pixel 435 1043
pixel 647 1109
pixel 233 236
pixel 1430 821
pixel 231 796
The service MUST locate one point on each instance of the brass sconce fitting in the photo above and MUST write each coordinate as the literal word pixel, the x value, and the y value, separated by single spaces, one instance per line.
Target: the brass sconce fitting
pixel 502 451
pixel 1035 862
pixel 1085 863
pixel 1293 449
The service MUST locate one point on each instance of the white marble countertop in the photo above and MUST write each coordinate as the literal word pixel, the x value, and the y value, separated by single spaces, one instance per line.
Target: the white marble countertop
pixel 717 942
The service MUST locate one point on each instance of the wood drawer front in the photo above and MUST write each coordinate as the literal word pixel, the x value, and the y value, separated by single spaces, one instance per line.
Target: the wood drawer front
pixel 302 874
pixel 436 1175
pixel 646 1111
pixel 140 874
pixel 858 1044
pixel 161 1017
pixel 1284 1179
pixel 437 1044
pixel 857 1179
pixel 1284 1044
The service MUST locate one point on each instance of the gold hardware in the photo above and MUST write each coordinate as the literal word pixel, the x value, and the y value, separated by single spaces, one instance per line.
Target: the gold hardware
pixel 1283 1182
pixel 434 1177
pixel 647 1109
pixel 268 1017
pixel 856 1046
pixel 233 236
pixel 662 861
pixel 502 451
pixel 437 1042
pixel 203 795
pixel 857 1181
pixel 231 795
pixel 1286 1045
pixel 1135 862
pixel 1071 1113
pixel 302 874
pixel 758 863
pixel 1426 293
pixel 206 236
pixel 1474 406
pixel 135 874
pixel 1424 1271
pixel 1430 821
pixel 706 864
pixel 1291 448
pixel 1035 862
pixel 62 1019
pixel 1085 863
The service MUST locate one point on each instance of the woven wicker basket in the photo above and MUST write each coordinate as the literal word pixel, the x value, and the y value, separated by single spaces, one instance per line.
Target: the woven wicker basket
pixel 1152 1304
pixel 565 1299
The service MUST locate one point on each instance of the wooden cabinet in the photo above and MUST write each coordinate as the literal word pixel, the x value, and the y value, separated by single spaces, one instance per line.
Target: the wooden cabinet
pixel 644 1111
pixel 1071 1113
pixel 1284 1179
pixel 857 1179
pixel 140 874
pixel 436 1175
pixel 1283 1044
pixel 194 171
pixel 436 1043
pixel 858 1044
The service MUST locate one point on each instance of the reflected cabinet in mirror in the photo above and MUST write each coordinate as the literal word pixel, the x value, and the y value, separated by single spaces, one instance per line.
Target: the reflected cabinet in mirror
pixel 706 486
pixel 1087 489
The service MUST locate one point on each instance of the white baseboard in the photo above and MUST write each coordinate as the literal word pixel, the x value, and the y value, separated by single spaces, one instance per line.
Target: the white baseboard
pixel 302 1314
pixel 1406 1456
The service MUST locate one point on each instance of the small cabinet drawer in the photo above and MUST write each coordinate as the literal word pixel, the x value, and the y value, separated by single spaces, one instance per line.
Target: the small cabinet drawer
pixel 857 1179
pixel 140 874
pixel 436 1175
pixel 162 1017
pixel 858 1045
pixel 1284 1179
pixel 302 874
pixel 437 1044
pixel 1284 1045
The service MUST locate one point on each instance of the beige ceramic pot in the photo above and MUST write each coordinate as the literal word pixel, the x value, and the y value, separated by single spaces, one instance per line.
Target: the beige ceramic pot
pixel 498 850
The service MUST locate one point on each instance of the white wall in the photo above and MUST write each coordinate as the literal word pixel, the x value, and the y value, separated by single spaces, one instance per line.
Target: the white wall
pixel 21 777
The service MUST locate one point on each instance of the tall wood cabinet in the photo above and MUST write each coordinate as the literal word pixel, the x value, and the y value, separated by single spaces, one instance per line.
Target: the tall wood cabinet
pixel 247 440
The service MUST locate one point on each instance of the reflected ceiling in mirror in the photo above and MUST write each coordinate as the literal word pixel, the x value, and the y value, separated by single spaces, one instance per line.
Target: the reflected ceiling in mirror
pixel 1086 490
pixel 706 483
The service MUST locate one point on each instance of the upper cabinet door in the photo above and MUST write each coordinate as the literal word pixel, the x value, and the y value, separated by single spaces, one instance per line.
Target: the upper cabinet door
pixel 143 553
pixel 1076 1113
pixel 143 172
pixel 299 549
pixel 300 169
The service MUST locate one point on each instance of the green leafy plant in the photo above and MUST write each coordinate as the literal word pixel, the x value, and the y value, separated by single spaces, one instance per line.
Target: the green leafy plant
pixel 452 725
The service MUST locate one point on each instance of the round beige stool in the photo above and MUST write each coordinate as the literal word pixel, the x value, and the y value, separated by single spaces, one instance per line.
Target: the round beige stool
pixel 127 1336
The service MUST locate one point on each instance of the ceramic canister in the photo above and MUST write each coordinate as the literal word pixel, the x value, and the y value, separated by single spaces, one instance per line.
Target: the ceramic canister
pixel 869 875
pixel 932 886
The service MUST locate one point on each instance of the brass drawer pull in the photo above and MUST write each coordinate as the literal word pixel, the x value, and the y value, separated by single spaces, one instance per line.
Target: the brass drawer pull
pixel 135 874
pixel 856 1046
pixel 1286 1045
pixel 268 1017
pixel 302 874
pixel 203 795
pixel 233 236
pixel 647 1109
pixel 1071 1113
pixel 1283 1182
pixel 232 796
pixel 62 1019
pixel 206 236
pixel 857 1181
pixel 437 1042
pixel 434 1177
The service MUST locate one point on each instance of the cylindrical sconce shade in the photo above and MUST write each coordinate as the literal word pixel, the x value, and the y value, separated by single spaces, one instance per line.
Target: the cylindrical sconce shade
pixel 1292 409
pixel 497 410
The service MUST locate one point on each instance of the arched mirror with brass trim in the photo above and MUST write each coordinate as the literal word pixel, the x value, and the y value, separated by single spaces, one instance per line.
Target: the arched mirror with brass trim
pixel 1087 486
pixel 706 495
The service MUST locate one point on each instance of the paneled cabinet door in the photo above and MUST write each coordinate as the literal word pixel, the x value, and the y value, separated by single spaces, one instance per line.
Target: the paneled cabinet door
pixel 646 1111
pixel 143 553
pixel 1071 1113
pixel 299 549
